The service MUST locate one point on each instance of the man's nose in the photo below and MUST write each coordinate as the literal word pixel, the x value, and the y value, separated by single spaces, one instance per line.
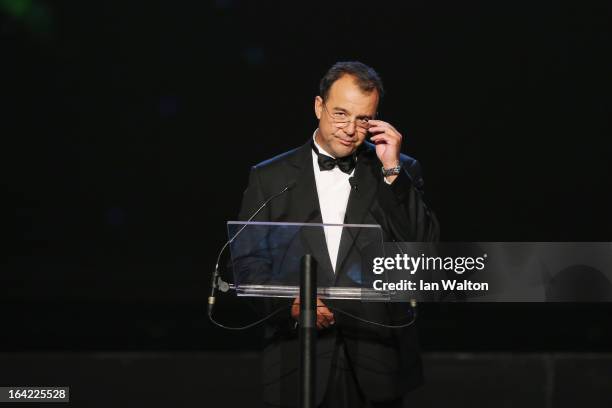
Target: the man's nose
pixel 350 128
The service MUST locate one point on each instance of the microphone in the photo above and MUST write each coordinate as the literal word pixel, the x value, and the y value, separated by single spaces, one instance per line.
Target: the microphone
pixel 353 183
pixel 216 281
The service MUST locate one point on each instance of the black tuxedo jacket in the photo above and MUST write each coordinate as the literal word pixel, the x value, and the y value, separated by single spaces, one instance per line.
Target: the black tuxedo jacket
pixel 386 361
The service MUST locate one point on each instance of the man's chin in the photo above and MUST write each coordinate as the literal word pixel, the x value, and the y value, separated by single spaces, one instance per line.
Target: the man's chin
pixel 344 149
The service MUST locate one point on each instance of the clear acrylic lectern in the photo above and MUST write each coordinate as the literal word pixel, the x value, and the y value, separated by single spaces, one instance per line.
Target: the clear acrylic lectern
pixel 306 260
pixel 266 259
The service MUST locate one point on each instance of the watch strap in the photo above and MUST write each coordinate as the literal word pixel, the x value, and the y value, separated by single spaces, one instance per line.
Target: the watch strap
pixel 393 171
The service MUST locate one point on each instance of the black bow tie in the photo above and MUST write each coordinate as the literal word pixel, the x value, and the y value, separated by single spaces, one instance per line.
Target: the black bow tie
pixel 345 164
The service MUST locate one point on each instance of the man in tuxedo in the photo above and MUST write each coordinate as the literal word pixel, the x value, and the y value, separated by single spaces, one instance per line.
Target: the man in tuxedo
pixel 337 177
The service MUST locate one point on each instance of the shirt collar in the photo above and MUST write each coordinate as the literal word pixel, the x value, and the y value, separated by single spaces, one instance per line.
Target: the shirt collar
pixel 321 150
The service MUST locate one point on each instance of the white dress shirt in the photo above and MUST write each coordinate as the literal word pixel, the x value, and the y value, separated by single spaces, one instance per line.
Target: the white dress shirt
pixel 333 189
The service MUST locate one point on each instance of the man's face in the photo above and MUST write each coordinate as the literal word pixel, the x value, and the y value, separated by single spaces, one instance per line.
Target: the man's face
pixel 345 100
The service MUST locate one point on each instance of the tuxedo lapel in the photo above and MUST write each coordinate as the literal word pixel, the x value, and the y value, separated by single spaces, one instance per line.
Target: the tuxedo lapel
pixel 303 200
pixel 360 199
pixel 304 205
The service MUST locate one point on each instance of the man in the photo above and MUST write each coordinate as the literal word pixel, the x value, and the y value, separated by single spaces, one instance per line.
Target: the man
pixel 337 178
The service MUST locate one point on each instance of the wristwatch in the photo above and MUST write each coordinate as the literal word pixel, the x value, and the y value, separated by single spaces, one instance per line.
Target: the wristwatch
pixel 393 171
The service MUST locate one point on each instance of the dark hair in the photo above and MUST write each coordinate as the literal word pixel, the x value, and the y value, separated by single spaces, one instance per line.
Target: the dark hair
pixel 367 79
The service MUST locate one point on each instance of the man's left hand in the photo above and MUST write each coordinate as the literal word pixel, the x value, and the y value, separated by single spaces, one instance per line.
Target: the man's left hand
pixel 388 143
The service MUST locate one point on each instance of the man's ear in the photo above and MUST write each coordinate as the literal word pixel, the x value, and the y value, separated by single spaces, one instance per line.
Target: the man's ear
pixel 318 106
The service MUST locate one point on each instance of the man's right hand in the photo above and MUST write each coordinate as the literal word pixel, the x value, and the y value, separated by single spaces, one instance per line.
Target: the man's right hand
pixel 325 317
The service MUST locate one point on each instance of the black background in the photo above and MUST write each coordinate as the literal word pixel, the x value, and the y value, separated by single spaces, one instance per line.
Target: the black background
pixel 128 130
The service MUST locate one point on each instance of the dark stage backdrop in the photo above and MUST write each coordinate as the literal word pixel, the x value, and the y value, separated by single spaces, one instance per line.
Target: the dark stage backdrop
pixel 128 130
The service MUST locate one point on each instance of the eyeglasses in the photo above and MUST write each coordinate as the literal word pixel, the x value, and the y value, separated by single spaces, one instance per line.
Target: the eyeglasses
pixel 342 120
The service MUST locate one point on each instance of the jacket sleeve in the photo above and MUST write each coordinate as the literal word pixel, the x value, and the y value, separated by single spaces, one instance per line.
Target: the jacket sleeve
pixel 408 217
pixel 255 264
